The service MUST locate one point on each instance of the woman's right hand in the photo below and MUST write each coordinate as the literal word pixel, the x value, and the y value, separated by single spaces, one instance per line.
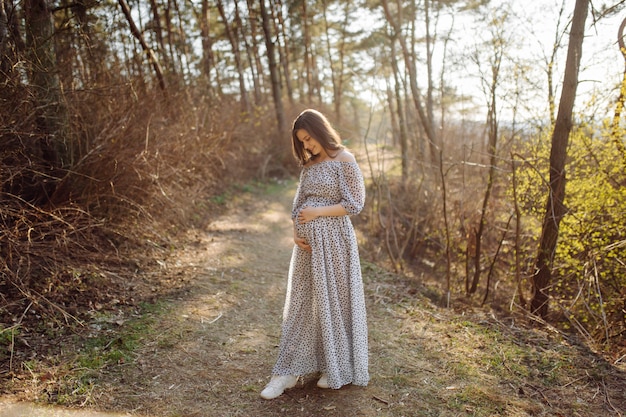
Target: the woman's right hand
pixel 301 242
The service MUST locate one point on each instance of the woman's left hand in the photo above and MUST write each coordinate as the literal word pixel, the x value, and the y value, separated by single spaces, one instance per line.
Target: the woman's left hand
pixel 307 214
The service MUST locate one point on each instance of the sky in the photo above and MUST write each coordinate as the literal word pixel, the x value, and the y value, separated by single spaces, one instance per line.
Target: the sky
pixel 530 31
pixel 533 35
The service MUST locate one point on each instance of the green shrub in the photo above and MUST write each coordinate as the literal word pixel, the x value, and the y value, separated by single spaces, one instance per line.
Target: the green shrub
pixel 589 274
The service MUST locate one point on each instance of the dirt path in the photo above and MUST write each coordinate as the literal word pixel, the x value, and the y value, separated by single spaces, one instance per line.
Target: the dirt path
pixel 213 352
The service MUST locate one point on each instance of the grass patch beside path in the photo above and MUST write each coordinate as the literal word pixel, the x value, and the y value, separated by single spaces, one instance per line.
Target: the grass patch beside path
pixel 68 377
pixel 442 362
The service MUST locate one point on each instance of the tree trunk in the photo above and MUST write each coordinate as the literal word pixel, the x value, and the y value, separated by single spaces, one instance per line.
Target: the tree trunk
pixel 555 210
pixel 44 79
pixel 498 45
pixel 442 79
pixel 518 234
pixel 619 107
pixel 156 24
pixel 331 60
pixel 207 44
pixel 283 48
pixel 307 53
pixel 6 61
pixel 271 57
pixel 550 63
pixel 410 63
pixel 252 52
pixel 4 29
pixel 393 118
pixel 139 36
pixel 317 80
pixel 336 62
pixel 342 59
pixel 404 143
pixel 171 60
pixel 492 124
pixel 245 101
pixel 183 50
pixel 435 147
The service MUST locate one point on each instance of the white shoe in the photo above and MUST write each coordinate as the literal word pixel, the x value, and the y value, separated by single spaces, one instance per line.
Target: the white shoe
pixel 277 385
pixel 323 381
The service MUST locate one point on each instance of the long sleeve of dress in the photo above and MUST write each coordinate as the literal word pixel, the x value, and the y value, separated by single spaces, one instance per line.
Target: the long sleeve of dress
pixel 352 188
pixel 298 199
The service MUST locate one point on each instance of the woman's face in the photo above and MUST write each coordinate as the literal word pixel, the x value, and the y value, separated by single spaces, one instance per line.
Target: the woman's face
pixel 310 144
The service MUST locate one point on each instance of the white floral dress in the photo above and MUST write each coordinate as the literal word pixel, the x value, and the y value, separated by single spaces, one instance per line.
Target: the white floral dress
pixel 324 320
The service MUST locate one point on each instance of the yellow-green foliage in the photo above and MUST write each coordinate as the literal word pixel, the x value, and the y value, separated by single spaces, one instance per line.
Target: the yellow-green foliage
pixel 589 275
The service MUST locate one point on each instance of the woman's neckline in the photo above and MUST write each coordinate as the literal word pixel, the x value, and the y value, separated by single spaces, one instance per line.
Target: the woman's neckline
pixel 326 160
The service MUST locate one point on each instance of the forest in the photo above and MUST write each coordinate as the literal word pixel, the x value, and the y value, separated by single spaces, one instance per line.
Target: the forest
pixel 491 135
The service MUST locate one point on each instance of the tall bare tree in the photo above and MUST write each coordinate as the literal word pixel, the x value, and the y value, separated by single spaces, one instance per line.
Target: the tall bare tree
pixel 44 79
pixel 490 81
pixel 619 107
pixel 555 209
pixel 156 25
pixel 271 57
pixel 283 47
pixel 307 52
pixel 402 128
pixel 550 62
pixel 11 40
pixel 234 43
pixel 4 38
pixel 249 38
pixel 138 34
pixel 410 63
pixel 208 58
pixel 336 51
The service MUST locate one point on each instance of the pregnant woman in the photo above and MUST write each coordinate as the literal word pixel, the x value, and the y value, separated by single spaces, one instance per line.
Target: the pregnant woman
pixel 324 326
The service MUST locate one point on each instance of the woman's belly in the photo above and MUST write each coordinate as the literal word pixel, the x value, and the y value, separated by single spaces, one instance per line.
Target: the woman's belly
pixel 321 228
pixel 307 230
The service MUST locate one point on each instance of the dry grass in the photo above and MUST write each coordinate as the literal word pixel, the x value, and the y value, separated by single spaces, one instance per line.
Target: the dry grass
pixel 74 239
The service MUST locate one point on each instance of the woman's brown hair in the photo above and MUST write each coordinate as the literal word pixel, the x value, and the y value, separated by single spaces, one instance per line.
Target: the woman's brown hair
pixel 319 128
